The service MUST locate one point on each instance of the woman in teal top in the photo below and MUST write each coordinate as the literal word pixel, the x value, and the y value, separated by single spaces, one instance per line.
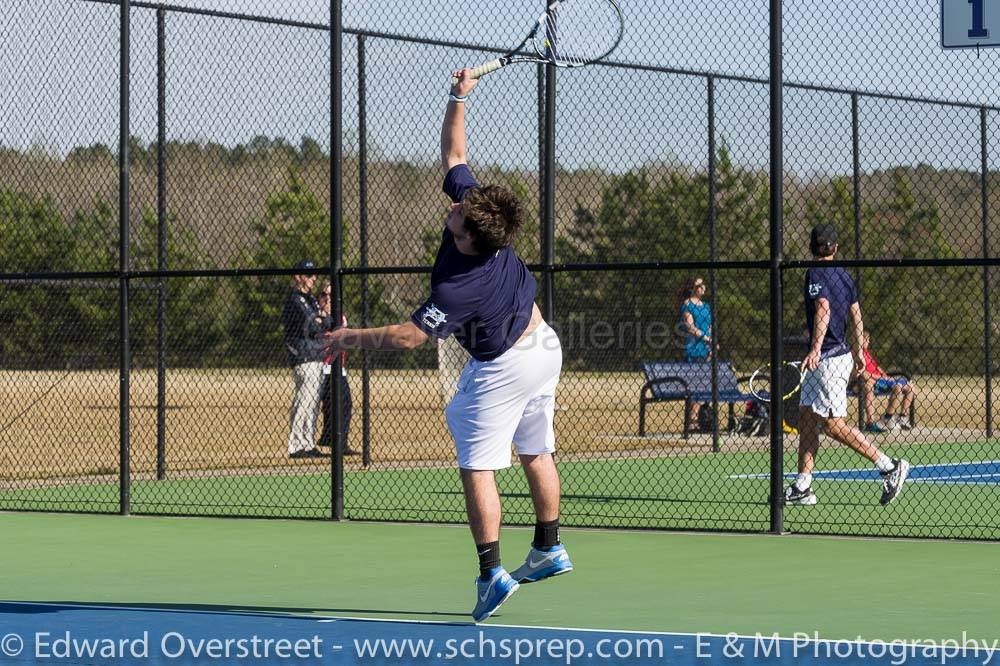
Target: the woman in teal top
pixel 696 321
pixel 696 327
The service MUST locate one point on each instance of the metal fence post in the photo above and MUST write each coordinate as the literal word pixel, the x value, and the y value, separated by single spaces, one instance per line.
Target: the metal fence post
pixel 363 242
pixel 712 257
pixel 124 362
pixel 549 211
pixel 540 71
pixel 549 214
pixel 161 245
pixel 777 200
pixel 336 247
pixel 856 205
pixel 987 327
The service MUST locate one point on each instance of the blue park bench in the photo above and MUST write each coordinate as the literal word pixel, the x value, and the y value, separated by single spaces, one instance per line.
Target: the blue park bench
pixel 674 381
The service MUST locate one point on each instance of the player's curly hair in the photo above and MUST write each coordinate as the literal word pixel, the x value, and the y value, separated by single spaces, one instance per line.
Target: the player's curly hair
pixel 493 215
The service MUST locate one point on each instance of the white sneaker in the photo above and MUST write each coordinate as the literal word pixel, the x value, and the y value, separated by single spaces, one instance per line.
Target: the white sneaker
pixel 892 481
pixel 803 497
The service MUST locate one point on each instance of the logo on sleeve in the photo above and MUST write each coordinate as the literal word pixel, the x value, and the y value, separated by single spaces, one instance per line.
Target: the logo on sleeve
pixel 433 317
pixel 814 289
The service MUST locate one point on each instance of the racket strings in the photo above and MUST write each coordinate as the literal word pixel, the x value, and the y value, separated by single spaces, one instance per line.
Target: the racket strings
pixel 760 382
pixel 791 377
pixel 576 32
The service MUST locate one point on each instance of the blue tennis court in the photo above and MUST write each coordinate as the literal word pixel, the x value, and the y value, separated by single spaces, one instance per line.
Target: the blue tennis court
pixel 70 633
pixel 981 472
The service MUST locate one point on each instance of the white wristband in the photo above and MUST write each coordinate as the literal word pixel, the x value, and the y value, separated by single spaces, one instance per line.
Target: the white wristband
pixel 455 98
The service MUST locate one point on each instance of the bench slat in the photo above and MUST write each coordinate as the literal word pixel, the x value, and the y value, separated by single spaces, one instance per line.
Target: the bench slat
pixel 697 377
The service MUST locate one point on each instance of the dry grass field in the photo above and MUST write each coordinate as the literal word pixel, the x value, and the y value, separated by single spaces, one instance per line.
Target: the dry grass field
pixel 59 425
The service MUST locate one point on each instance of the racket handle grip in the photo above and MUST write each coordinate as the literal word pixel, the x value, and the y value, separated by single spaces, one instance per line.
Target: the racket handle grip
pixel 482 70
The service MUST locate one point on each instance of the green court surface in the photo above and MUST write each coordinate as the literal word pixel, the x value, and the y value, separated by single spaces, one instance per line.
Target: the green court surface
pixel 706 491
pixel 653 581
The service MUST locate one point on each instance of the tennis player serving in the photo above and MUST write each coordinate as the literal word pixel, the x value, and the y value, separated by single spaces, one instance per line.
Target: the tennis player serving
pixel 483 294
pixel 831 300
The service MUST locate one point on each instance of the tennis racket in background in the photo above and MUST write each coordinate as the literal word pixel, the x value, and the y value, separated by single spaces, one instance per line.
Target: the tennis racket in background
pixel 791 380
pixel 571 33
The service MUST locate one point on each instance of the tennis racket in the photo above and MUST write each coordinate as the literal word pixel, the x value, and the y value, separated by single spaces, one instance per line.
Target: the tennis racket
pixel 791 380
pixel 571 33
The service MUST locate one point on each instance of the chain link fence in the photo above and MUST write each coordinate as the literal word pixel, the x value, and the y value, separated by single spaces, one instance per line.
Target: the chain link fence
pixel 661 182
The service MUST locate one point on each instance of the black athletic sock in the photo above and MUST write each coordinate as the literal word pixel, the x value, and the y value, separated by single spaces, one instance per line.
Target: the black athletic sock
pixel 546 535
pixel 489 558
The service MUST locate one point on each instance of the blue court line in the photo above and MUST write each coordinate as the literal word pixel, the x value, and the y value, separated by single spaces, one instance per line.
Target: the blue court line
pixel 71 633
pixel 982 472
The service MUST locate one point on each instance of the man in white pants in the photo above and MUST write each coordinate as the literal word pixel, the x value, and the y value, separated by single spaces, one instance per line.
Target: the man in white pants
pixel 482 293
pixel 831 299
pixel 306 358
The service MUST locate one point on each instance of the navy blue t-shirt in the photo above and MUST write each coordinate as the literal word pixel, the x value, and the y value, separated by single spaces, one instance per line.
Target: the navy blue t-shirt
pixel 484 300
pixel 836 286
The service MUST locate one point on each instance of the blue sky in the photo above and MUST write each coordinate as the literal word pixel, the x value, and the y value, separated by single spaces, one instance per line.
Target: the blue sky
pixel 229 81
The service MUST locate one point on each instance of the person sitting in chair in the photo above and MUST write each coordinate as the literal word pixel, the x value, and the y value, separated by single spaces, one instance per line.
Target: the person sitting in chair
pixel 901 394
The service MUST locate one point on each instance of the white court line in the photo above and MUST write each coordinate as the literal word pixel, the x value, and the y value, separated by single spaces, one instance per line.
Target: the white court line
pixel 961 476
pixel 994 480
pixel 151 609
pixel 825 472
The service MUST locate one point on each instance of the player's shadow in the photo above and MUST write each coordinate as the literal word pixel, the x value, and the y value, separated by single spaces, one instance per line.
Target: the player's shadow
pixel 38 607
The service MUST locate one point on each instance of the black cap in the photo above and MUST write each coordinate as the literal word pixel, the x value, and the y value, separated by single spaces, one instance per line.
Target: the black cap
pixel 305 263
pixel 822 239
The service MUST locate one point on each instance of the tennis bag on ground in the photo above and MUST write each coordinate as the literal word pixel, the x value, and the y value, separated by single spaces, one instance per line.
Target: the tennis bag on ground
pixel 755 421
pixel 705 418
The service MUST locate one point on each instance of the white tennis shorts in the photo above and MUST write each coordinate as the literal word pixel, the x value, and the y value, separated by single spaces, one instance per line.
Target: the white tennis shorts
pixel 508 399
pixel 825 388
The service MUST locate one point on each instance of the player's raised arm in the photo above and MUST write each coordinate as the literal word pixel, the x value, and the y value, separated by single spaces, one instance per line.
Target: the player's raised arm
pixel 453 142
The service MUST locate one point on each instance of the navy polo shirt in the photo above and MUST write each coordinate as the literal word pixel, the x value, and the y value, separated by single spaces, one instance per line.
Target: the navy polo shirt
pixel 485 301
pixel 836 286
pixel 300 331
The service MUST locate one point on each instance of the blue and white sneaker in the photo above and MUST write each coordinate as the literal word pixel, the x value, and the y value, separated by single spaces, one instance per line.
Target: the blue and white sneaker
pixel 490 594
pixel 542 564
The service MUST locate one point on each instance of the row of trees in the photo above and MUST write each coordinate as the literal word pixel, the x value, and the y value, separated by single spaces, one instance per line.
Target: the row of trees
pixel 927 319
pixel 609 320
pixel 210 321
pixel 260 149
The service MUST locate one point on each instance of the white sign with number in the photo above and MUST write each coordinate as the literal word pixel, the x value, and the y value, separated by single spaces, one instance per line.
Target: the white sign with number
pixel 969 24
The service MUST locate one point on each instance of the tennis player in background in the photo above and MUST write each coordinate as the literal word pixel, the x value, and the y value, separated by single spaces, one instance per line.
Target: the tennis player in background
pixel 483 294
pixel 831 300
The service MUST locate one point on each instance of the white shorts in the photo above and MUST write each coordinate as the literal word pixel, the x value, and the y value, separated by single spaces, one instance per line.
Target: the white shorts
pixel 825 388
pixel 508 399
